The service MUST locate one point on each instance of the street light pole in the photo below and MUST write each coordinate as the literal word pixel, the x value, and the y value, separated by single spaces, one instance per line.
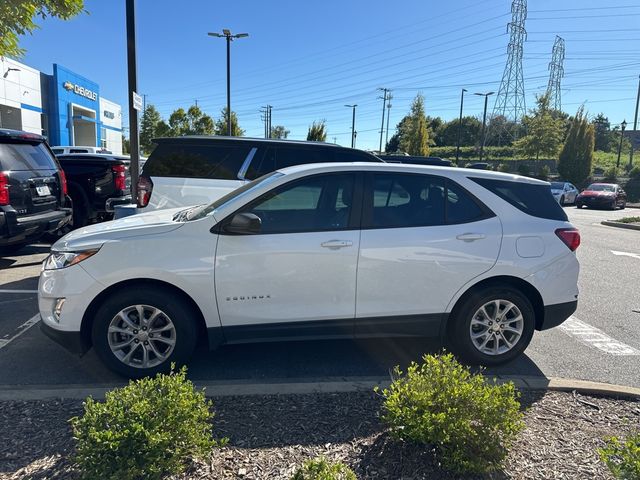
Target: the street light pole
pixel 353 125
pixel 635 125
pixel 226 33
pixel 623 125
pixel 134 153
pixel 459 126
pixel 484 120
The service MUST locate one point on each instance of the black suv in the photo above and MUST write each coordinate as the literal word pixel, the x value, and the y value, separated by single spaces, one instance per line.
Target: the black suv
pixel 33 190
pixel 191 170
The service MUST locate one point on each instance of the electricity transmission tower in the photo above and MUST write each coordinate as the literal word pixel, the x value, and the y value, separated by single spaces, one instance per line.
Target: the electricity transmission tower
pixel 556 72
pixel 510 101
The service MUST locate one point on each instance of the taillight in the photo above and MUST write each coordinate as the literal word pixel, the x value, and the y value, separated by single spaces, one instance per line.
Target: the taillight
pixel 145 188
pixel 119 177
pixel 570 237
pixel 4 189
pixel 63 182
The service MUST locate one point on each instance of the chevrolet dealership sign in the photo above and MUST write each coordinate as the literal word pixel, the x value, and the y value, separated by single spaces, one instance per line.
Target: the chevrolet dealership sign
pixel 78 90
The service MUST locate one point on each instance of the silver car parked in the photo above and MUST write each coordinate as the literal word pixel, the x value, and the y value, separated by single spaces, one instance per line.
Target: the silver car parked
pixel 564 192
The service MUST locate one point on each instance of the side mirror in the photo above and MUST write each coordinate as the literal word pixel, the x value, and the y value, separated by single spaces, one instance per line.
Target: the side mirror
pixel 244 224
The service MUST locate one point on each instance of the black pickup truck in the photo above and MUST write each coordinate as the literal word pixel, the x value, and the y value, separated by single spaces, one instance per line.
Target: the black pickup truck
pixel 96 182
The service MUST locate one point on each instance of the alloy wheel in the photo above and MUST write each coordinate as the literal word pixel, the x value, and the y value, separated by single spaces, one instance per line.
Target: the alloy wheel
pixel 496 327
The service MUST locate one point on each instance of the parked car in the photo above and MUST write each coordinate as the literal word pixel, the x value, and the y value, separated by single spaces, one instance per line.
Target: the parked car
pixel 80 149
pixel 320 251
pixel 32 190
pixel 564 192
pixel 190 170
pixel 478 166
pixel 607 195
pixel 96 184
pixel 415 160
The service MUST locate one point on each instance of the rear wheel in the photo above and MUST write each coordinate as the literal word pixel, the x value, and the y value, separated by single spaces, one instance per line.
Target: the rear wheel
pixel 141 332
pixel 492 326
pixel 562 200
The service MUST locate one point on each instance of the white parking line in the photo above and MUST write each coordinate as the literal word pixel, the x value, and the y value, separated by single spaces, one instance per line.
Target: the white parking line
pixel 20 330
pixel 626 254
pixel 595 337
pixel 18 291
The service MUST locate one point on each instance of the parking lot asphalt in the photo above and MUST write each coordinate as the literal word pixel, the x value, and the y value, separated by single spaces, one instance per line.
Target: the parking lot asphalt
pixel 601 342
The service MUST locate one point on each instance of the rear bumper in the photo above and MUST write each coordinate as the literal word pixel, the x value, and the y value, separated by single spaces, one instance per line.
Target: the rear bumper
pixel 554 315
pixel 72 341
pixel 16 229
pixel 112 202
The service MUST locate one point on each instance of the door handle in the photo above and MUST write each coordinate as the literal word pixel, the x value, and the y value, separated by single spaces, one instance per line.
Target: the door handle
pixel 335 244
pixel 470 237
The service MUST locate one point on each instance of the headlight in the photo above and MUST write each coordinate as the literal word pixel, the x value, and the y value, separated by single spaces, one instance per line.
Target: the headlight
pixel 57 260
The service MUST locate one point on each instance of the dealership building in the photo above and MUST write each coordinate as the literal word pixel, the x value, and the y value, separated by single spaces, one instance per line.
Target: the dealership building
pixel 63 106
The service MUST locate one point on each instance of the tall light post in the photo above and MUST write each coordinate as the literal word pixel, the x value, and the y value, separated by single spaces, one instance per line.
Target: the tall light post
pixel 353 125
pixel 635 125
pixel 459 126
pixel 623 125
pixel 226 33
pixel 484 120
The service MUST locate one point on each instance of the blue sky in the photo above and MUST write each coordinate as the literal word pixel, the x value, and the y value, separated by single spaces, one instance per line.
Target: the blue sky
pixel 309 59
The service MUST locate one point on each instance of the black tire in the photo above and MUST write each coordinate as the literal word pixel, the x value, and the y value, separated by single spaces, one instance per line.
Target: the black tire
pixel 578 205
pixel 562 201
pixel 80 208
pixel 175 308
pixel 624 204
pixel 460 329
pixel 613 205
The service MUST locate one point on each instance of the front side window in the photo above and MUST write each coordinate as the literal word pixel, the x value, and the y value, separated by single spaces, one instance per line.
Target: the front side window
pixel 318 203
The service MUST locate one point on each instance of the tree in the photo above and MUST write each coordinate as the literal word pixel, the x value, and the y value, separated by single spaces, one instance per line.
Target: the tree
pixel 279 132
pixel 416 139
pixel 317 132
pixel 393 145
pixel 576 156
pixel 603 135
pixel 149 127
pixel 436 126
pixel 126 145
pixel 191 122
pixel 221 124
pixel 17 18
pixel 544 131
pixel 469 133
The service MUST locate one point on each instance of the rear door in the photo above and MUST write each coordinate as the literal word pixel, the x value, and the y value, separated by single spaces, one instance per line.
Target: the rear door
pixel 423 238
pixel 34 181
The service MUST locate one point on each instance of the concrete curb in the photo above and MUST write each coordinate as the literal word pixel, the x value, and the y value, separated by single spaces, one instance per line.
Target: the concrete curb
pixel 628 226
pixel 289 387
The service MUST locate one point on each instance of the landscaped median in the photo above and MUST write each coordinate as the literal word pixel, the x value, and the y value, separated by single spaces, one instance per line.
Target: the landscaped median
pixel 631 223
pixel 435 421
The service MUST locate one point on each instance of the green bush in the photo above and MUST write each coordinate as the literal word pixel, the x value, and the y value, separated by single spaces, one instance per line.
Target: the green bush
pixel 523 169
pixel 544 173
pixel 622 457
pixel 148 429
pixel 634 172
pixel 320 469
pixel 504 168
pixel 610 174
pixel 470 421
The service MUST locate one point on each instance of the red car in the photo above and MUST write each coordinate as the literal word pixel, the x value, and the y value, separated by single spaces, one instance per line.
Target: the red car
pixel 605 195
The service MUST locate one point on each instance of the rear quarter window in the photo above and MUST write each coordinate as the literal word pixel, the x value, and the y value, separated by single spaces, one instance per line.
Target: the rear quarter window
pixel 196 161
pixel 26 156
pixel 533 199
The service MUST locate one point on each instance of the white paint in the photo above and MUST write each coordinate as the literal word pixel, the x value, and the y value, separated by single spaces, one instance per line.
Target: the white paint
pixel 626 254
pixel 18 291
pixel 20 330
pixel 595 337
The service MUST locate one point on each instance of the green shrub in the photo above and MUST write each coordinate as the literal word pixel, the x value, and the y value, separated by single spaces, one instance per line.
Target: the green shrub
pixel 622 457
pixel 610 174
pixel 523 169
pixel 148 429
pixel 544 172
pixel 320 469
pixel 470 421
pixel 628 220
pixel 634 172
pixel 504 168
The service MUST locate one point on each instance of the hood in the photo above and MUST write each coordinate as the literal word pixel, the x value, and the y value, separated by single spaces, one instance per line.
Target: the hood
pixel 595 193
pixel 93 236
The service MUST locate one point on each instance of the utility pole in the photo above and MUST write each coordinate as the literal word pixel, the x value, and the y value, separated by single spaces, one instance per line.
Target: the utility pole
pixel 384 105
pixel 353 125
pixel 635 126
pixel 226 33
pixel 195 101
pixel 623 125
pixel 132 74
pixel 386 139
pixel 269 107
pixel 484 120
pixel 459 126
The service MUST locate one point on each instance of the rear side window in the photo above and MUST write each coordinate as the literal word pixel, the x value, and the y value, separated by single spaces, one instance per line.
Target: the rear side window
pixel 278 157
pixel 196 161
pixel 26 156
pixel 532 199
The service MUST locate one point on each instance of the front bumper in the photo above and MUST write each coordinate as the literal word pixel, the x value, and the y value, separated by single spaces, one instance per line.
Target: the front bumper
pixel 554 315
pixel 599 201
pixel 72 341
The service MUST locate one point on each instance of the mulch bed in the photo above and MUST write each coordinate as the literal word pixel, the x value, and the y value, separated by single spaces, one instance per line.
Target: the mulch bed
pixel 270 436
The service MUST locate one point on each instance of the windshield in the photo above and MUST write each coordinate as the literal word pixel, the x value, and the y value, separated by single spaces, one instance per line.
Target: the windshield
pixel 204 210
pixel 601 187
pixel 557 185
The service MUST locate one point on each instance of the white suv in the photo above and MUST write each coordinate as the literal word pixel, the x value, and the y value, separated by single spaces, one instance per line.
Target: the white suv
pixel 479 259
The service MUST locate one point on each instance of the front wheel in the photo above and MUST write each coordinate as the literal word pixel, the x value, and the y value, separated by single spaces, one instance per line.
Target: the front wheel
pixel 492 326
pixel 578 205
pixel 142 332
pixel 562 201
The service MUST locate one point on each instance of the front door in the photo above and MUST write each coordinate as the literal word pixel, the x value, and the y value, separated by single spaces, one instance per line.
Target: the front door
pixel 297 277
pixel 423 238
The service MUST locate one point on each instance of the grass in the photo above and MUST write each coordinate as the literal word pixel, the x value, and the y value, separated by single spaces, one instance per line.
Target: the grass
pixel 629 220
